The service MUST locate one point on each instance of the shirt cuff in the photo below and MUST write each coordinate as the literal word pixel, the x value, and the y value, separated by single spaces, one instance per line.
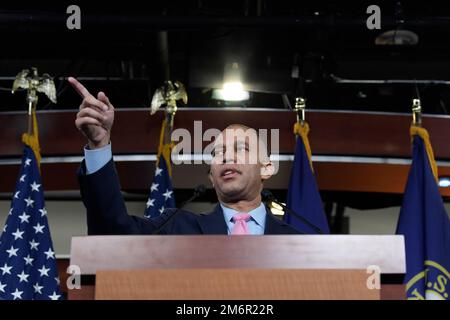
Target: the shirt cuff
pixel 97 158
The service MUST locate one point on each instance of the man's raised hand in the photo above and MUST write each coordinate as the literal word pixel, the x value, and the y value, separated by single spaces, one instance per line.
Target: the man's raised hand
pixel 96 116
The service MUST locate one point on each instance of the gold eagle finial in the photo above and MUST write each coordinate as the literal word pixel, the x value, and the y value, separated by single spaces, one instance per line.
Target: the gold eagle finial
pixel 32 82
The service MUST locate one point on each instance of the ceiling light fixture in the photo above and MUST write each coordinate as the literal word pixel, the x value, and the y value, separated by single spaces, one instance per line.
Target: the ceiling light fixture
pixel 397 38
pixel 233 89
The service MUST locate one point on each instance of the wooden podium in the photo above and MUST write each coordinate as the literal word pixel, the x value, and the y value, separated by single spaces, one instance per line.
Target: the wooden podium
pixel 265 267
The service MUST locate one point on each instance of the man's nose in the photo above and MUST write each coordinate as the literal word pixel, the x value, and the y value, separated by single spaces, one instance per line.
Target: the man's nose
pixel 229 157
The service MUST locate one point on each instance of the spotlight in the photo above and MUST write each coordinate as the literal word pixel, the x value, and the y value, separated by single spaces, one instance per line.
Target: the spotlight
pixel 233 89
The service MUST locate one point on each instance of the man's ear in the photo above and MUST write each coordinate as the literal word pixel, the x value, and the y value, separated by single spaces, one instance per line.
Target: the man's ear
pixel 267 170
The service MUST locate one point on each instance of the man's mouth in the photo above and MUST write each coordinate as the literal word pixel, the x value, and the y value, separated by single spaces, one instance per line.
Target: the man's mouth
pixel 229 173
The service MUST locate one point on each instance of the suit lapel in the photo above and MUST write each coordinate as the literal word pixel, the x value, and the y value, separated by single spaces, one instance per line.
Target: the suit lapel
pixel 214 222
pixel 274 225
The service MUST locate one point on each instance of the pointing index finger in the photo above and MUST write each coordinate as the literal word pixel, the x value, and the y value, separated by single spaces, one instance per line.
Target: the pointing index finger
pixel 82 91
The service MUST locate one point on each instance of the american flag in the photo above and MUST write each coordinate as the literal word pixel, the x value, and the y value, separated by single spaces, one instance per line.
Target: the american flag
pixel 161 193
pixel 28 268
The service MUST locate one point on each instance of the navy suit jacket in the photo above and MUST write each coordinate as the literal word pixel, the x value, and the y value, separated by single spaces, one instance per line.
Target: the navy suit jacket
pixel 107 214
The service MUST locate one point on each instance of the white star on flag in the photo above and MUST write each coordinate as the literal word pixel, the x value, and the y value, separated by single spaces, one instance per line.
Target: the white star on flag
pixel 23 277
pixel 54 296
pixel 34 245
pixel 161 210
pixel 154 187
pixel 167 194
pixel 44 271
pixel 29 202
pixel 38 288
pixel 43 212
pixel 12 251
pixel 24 217
pixel 27 162
pixel 16 195
pixel 38 228
pixel 6 269
pixel 34 186
pixel 17 294
pixel 50 254
pixel 158 171
pixel 28 260
pixel 2 287
pixel 150 203
pixel 22 178
pixel 18 234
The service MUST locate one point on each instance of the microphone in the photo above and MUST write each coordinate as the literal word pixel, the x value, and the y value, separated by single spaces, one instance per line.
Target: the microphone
pixel 198 191
pixel 268 196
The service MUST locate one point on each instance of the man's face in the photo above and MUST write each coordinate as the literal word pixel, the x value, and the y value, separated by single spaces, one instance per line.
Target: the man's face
pixel 236 168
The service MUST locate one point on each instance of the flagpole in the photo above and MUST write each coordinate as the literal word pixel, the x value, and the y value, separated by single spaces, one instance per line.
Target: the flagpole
pixel 417 129
pixel 32 99
pixel 300 108
pixel 417 113
pixel 171 110
pixel 301 127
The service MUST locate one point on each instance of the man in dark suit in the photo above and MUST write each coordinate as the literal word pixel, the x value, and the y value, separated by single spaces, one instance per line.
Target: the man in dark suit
pixel 237 180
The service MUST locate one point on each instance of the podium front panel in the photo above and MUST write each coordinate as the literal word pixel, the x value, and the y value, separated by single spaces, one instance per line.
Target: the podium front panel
pixel 234 284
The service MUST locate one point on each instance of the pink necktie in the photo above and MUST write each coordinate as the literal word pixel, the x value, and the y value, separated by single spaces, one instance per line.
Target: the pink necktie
pixel 240 223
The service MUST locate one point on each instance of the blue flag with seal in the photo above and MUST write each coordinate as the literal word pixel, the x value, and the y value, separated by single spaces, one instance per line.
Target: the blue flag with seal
pixel 28 269
pixel 425 225
pixel 161 194
pixel 303 194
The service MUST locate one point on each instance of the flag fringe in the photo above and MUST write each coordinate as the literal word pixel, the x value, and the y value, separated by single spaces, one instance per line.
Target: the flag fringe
pixel 165 149
pixel 32 140
pixel 423 133
pixel 303 131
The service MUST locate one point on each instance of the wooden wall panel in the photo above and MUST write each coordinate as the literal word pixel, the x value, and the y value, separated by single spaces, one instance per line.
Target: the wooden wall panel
pixel 331 176
pixel 332 133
